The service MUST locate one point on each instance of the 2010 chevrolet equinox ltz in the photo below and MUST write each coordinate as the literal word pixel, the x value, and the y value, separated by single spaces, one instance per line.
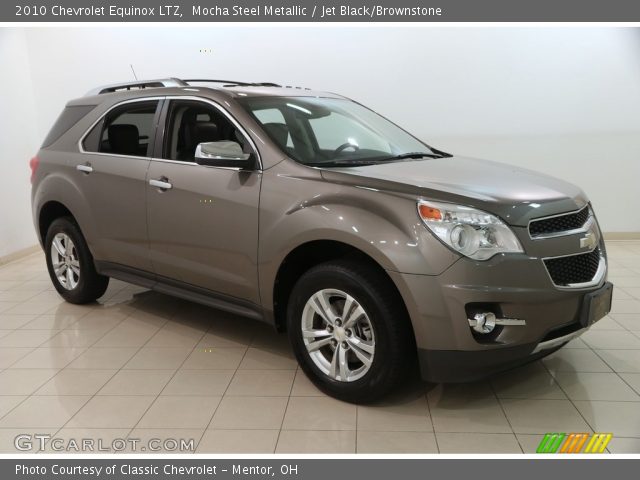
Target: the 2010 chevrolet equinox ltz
pixel 308 211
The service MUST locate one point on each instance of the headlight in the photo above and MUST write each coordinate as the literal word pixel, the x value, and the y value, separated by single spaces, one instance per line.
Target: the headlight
pixel 473 233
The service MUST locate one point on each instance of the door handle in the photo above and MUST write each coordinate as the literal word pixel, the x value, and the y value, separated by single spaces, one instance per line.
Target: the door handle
pixel 86 168
pixel 162 184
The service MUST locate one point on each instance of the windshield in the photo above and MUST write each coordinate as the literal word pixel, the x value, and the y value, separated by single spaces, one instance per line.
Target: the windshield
pixel 333 132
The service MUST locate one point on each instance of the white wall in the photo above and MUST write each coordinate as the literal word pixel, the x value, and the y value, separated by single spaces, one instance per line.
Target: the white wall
pixel 18 142
pixel 565 101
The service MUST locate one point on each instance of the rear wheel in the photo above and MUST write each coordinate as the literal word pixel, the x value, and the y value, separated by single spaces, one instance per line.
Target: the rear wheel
pixel 70 264
pixel 350 331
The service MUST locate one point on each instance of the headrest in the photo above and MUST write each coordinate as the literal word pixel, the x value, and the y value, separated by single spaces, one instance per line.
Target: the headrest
pixel 200 132
pixel 124 139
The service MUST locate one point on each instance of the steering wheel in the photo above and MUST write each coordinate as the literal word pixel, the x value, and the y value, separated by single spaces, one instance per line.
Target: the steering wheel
pixel 344 146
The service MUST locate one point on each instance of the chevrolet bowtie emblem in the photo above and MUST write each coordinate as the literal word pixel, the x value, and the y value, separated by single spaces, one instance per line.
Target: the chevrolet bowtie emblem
pixel 588 241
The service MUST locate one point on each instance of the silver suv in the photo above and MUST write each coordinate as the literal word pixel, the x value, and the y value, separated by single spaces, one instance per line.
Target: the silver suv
pixel 306 210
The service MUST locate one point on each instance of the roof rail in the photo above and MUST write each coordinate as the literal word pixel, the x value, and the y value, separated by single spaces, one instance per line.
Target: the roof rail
pixel 232 82
pixel 165 82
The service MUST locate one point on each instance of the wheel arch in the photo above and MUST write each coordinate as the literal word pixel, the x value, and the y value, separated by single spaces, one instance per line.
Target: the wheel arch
pixel 305 256
pixel 49 212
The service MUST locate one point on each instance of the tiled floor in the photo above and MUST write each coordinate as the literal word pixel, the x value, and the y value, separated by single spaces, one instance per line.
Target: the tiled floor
pixel 141 365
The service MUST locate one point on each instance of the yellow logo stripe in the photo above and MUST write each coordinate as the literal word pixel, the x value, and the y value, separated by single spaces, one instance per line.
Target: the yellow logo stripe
pixel 605 441
pixel 590 444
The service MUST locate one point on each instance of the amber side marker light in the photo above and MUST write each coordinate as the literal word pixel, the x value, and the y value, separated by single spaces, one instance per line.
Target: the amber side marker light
pixel 33 164
pixel 429 213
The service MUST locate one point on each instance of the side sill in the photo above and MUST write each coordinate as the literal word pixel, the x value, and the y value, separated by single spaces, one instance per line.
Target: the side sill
pixel 182 290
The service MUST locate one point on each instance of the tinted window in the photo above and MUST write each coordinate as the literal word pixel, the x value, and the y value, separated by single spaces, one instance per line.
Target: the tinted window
pixel 331 131
pixel 190 123
pixel 67 119
pixel 126 130
pixel 274 123
pixel 336 129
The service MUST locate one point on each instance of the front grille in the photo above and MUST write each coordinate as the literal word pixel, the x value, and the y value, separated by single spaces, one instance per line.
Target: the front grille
pixel 559 224
pixel 580 268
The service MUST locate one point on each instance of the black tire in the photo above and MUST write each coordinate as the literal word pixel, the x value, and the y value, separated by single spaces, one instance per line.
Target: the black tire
pixel 90 285
pixel 394 342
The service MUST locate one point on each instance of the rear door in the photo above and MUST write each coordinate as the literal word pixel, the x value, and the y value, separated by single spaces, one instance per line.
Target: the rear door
pixel 203 221
pixel 112 175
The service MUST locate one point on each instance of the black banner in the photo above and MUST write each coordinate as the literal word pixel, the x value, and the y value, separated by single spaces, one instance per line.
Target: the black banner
pixel 316 469
pixel 319 11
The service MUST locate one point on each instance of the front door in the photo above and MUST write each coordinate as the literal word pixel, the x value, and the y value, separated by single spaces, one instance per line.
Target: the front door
pixel 203 221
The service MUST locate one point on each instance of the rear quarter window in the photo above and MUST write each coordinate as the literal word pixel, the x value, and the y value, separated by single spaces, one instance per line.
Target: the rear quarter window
pixel 67 119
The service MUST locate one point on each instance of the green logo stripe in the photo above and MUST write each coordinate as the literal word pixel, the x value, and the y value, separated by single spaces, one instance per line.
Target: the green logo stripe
pixel 542 448
pixel 550 443
pixel 558 441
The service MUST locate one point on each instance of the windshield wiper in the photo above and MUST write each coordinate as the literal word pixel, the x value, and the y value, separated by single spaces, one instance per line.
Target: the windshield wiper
pixel 342 163
pixel 404 156
pixel 372 161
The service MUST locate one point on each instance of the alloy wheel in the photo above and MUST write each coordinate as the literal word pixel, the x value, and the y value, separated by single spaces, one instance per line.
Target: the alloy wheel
pixel 65 262
pixel 338 335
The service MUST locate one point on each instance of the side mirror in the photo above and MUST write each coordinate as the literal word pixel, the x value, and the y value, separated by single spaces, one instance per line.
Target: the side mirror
pixel 223 154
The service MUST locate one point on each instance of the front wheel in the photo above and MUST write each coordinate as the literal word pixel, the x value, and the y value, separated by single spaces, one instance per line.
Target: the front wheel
pixel 350 331
pixel 70 264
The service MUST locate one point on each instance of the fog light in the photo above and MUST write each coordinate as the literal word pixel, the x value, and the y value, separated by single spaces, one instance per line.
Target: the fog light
pixel 485 322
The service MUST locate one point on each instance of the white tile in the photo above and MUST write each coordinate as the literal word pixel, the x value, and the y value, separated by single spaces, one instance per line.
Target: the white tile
pixel 407 415
pixel 575 360
pixel 153 358
pixel 108 411
pixel 632 379
pixel 24 381
pixel 620 418
pixel 9 402
pixel 529 381
pixel 262 383
pixel 137 382
pixel 303 387
pixel 199 382
pixel 238 441
pixel 10 355
pixel 624 445
pixel 316 441
pixel 27 338
pixel 622 360
pixel 542 416
pixel 103 358
pixel 609 340
pixel 214 358
pixel 397 442
pixel 595 386
pixel 466 408
pixel 43 412
pixel 254 413
pixel 260 359
pixel 49 357
pixel 477 443
pixel 76 382
pixel 319 413
pixel 180 412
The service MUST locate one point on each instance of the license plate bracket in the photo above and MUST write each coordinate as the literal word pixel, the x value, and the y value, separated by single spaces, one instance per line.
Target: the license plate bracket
pixel 596 305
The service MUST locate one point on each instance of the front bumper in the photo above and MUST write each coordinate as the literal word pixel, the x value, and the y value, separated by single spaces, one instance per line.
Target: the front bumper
pixel 515 286
pixel 466 366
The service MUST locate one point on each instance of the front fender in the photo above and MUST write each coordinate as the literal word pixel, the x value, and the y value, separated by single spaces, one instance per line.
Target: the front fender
pixel 297 209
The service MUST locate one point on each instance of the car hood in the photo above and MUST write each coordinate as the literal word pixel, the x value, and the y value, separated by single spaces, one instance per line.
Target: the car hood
pixel 515 194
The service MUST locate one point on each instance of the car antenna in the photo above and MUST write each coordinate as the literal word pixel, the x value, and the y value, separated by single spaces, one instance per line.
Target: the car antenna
pixel 134 72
